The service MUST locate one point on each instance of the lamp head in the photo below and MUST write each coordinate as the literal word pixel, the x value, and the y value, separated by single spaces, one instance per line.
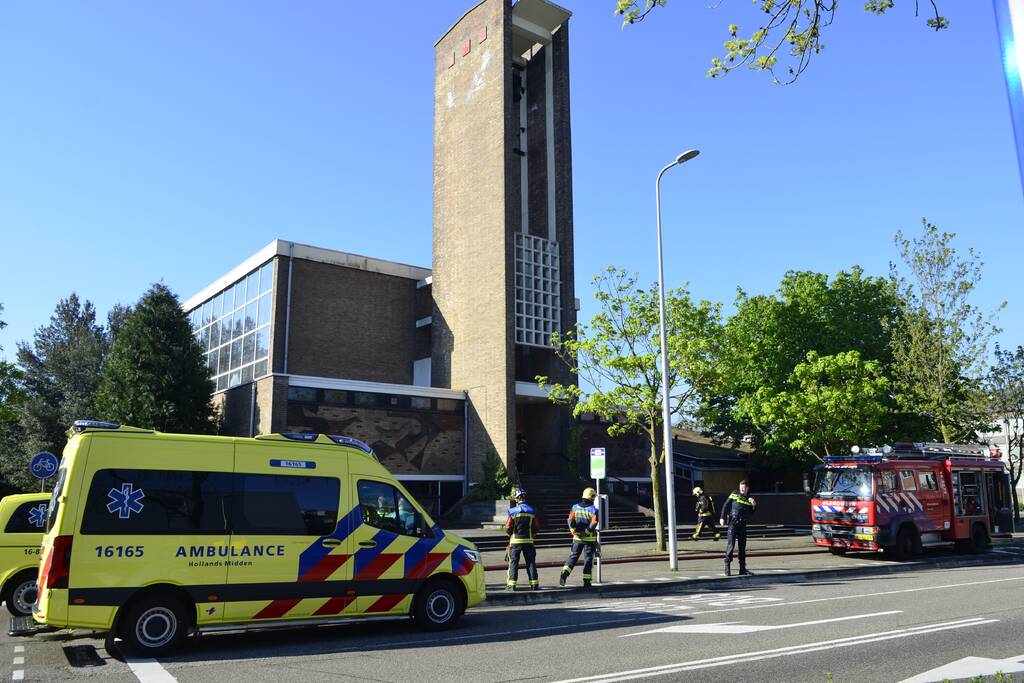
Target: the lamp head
pixel 687 155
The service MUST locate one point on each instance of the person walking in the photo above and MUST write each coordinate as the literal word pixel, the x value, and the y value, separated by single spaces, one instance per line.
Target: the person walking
pixel 521 525
pixel 738 508
pixel 705 514
pixel 584 520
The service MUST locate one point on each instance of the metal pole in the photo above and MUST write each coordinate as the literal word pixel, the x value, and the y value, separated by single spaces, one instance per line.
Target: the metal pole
pixel 601 512
pixel 670 499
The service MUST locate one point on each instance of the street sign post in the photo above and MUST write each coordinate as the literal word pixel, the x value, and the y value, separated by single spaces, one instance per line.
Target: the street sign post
pixel 597 474
pixel 43 466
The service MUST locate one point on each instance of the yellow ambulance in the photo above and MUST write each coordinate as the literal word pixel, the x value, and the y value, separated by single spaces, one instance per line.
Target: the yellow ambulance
pixel 22 518
pixel 153 536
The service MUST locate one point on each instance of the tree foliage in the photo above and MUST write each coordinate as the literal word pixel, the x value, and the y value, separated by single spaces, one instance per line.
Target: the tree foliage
pixel 155 375
pixel 789 34
pixel 829 403
pixel 941 344
pixel 616 358
pixel 1005 388
pixel 769 336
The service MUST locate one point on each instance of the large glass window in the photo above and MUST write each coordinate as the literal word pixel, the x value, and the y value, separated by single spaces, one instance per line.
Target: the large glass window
pixel 283 504
pixel 28 518
pixel 242 308
pixel 385 507
pixel 156 502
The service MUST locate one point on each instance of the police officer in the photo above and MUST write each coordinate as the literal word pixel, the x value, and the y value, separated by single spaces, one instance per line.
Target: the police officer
pixel 705 514
pixel 583 523
pixel 738 508
pixel 521 525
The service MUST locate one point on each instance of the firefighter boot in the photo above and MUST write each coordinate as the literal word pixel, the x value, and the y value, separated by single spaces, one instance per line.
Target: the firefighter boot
pixel 586 583
pixel 534 585
pixel 728 571
pixel 562 577
pixel 745 572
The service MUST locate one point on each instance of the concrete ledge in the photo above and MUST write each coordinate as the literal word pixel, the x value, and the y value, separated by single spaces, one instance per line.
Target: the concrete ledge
pixel 552 595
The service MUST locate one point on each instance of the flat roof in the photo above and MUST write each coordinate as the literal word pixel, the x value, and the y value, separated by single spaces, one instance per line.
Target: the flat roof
pixel 281 247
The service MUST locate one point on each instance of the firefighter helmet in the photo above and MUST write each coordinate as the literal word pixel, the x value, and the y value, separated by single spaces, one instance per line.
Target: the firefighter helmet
pixel 697 490
pixel 589 493
pixel 518 492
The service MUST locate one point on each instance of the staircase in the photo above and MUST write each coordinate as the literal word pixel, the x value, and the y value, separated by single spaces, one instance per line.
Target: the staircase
pixel 552 496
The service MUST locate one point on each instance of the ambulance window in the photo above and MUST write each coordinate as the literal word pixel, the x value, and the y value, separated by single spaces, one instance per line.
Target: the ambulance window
pixel 58 489
pixel 383 506
pixel 907 482
pixel 156 502
pixel 926 480
pixel 291 505
pixel 28 518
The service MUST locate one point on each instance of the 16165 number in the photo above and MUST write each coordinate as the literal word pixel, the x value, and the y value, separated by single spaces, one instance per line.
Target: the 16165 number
pixel 119 551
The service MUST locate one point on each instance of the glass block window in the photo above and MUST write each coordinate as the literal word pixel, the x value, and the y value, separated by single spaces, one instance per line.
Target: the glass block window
pixel 234 329
pixel 538 287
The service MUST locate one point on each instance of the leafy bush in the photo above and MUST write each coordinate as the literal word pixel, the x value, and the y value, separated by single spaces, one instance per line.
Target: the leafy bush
pixel 495 483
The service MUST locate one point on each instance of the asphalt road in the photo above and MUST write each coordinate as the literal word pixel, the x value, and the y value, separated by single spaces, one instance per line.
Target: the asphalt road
pixel 879 628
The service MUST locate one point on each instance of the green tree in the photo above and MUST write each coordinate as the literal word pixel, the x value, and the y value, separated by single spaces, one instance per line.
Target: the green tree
pixel 12 396
pixel 61 370
pixel 941 344
pixel 830 403
pixel 770 335
pixel 11 393
pixel 1005 388
pixel 155 375
pixel 786 27
pixel 616 358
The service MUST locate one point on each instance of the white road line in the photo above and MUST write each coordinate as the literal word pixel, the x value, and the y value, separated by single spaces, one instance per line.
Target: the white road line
pixel 17 675
pixel 149 671
pixel 19 648
pixel 740 627
pixel 1007 552
pixel 18 660
pixel 779 652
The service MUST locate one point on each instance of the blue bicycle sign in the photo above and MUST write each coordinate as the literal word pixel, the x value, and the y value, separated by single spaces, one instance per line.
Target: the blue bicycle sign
pixel 43 465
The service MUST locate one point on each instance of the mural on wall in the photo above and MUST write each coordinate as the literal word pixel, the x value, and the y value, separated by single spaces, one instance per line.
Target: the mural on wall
pixel 405 441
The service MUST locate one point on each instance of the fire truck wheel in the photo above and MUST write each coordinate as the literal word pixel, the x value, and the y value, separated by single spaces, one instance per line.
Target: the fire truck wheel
pixel 979 539
pixel 908 544
pixel 835 550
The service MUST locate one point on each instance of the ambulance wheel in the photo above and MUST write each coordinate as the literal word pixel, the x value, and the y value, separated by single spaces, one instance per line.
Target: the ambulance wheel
pixel 21 593
pixel 153 625
pixel 437 605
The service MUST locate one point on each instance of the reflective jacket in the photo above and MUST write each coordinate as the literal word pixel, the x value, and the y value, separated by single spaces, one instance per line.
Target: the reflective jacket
pixel 737 508
pixel 522 523
pixel 705 505
pixel 583 521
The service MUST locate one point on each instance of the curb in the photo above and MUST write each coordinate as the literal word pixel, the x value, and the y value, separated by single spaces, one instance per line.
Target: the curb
pixel 662 558
pixel 667 587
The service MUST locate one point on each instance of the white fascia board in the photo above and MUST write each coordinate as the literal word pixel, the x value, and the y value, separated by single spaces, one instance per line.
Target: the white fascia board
pixel 309 253
pixel 425 282
pixel 537 33
pixel 423 322
pixel 373 387
pixel 233 275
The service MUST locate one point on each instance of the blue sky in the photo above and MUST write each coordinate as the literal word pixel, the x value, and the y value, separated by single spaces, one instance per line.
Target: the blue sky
pixel 168 141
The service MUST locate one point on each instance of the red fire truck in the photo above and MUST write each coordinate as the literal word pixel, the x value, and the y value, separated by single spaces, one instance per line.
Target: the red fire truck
pixel 909 497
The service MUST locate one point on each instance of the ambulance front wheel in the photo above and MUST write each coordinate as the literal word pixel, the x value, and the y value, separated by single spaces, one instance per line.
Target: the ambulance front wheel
pixel 438 605
pixel 153 625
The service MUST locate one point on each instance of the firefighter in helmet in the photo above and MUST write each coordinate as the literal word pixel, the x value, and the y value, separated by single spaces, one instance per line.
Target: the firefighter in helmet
pixel 583 523
pixel 705 514
pixel 521 526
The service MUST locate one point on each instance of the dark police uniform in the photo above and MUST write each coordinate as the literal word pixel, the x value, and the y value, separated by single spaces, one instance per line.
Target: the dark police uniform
pixel 520 527
pixel 583 524
pixel 736 511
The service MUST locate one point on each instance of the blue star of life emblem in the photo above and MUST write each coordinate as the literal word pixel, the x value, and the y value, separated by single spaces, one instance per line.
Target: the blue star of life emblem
pixel 125 500
pixel 37 515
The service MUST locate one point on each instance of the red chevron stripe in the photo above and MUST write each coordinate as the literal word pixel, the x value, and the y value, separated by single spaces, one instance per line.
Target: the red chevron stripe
pixel 385 603
pixel 378 565
pixel 466 568
pixel 277 608
pixel 335 605
pixel 323 569
pixel 427 565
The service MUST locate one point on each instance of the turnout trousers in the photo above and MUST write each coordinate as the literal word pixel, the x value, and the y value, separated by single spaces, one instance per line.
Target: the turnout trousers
pixel 585 547
pixel 529 556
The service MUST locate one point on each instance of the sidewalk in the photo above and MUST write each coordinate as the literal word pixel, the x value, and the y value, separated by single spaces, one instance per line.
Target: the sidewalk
pixel 631 571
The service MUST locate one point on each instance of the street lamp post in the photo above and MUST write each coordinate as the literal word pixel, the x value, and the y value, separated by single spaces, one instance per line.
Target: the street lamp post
pixel 670 494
